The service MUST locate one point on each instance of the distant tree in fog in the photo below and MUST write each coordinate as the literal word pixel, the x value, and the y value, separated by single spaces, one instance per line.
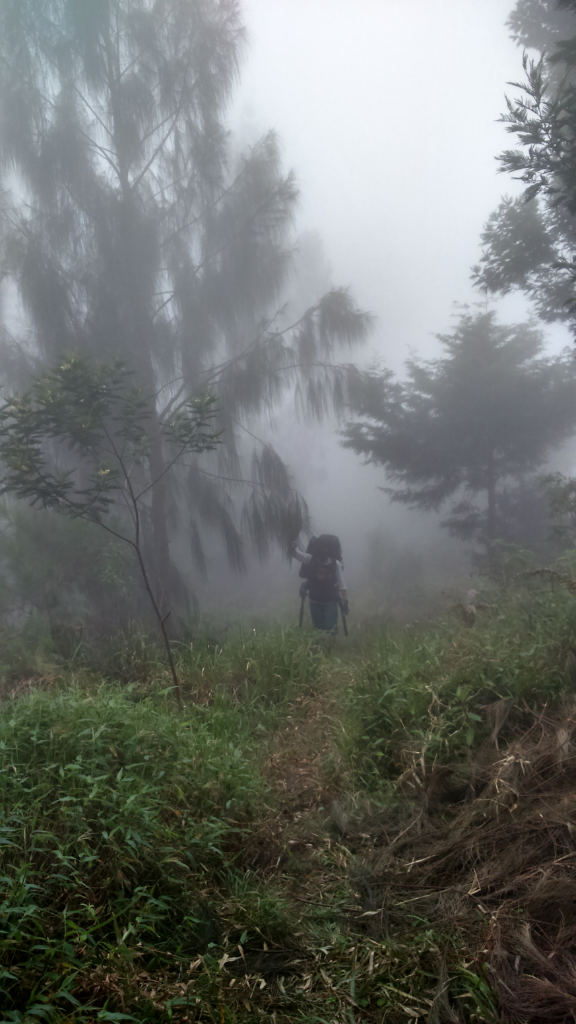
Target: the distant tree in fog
pixel 561 495
pixel 130 229
pixel 529 243
pixel 538 24
pixel 471 423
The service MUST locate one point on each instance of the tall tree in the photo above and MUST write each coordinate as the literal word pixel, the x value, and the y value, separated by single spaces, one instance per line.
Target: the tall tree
pixel 131 230
pixel 530 243
pixel 471 423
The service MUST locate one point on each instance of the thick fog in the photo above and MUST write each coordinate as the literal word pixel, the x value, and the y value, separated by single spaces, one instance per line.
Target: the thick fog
pixel 389 113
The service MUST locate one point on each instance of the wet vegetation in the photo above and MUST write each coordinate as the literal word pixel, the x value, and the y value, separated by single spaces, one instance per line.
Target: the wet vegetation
pixel 376 831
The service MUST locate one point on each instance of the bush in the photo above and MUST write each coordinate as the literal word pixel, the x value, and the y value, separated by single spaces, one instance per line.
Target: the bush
pixel 65 571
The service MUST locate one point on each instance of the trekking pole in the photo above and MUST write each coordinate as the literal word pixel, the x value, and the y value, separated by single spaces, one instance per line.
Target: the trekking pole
pixel 303 591
pixel 344 626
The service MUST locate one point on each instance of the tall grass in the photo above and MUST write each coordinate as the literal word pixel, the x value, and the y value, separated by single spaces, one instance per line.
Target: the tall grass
pixel 270 666
pixel 429 688
pixel 148 871
pixel 115 815
pixel 121 817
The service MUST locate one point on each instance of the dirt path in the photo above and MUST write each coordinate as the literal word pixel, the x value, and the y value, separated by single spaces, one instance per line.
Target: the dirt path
pixel 296 769
pixel 302 783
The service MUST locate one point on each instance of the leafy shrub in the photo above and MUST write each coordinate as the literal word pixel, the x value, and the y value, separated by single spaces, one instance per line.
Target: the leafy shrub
pixel 64 571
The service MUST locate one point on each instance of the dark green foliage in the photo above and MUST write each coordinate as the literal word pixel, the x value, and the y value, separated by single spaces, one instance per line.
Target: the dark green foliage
pixel 519 251
pixel 472 422
pixel 121 822
pixel 529 243
pixel 114 813
pixel 98 422
pixel 97 417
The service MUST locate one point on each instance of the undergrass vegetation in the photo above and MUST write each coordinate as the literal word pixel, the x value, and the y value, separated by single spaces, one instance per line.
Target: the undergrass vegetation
pixel 429 688
pixel 324 832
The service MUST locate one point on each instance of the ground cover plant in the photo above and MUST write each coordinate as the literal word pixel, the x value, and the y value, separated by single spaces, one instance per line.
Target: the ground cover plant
pixel 379 829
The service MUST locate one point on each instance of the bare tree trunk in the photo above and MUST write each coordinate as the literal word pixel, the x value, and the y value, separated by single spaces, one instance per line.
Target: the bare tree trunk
pixel 161 622
pixel 491 525
pixel 140 329
pixel 171 585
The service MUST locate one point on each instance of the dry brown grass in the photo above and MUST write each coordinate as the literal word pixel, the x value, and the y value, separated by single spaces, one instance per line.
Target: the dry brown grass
pixel 498 866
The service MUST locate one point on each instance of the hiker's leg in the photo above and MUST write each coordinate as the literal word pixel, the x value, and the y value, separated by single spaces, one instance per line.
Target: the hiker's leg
pixel 331 617
pixel 325 615
pixel 317 614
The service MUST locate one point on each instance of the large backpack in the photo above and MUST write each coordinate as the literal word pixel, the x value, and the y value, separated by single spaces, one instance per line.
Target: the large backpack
pixel 326 542
pixel 322 580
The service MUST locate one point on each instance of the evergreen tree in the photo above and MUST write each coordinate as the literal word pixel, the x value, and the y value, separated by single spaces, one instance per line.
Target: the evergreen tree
pixel 530 243
pixel 561 495
pixel 130 230
pixel 471 423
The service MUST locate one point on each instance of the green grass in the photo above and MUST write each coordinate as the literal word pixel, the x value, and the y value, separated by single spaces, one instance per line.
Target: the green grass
pixel 429 688
pixel 151 870
pixel 116 813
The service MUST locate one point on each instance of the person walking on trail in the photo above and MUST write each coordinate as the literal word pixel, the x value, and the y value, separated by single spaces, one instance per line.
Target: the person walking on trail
pixel 322 570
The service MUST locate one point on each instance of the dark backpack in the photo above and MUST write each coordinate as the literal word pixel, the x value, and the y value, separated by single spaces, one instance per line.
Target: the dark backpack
pixel 325 544
pixel 321 577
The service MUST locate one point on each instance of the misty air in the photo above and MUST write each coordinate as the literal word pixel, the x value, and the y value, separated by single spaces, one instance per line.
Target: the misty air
pixel 288 511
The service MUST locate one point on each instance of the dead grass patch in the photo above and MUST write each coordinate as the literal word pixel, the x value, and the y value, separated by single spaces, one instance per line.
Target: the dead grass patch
pixel 497 867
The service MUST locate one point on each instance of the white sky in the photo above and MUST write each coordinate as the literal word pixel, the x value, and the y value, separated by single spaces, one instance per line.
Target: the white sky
pixel 388 111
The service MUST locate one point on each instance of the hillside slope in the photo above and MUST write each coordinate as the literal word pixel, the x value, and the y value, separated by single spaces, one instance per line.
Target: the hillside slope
pixel 380 829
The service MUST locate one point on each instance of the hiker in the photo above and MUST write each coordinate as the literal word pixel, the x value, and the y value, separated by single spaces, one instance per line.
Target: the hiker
pixel 324 581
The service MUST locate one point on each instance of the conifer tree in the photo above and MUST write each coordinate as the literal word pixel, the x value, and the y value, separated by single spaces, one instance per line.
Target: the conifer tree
pixel 131 230
pixel 529 243
pixel 472 423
